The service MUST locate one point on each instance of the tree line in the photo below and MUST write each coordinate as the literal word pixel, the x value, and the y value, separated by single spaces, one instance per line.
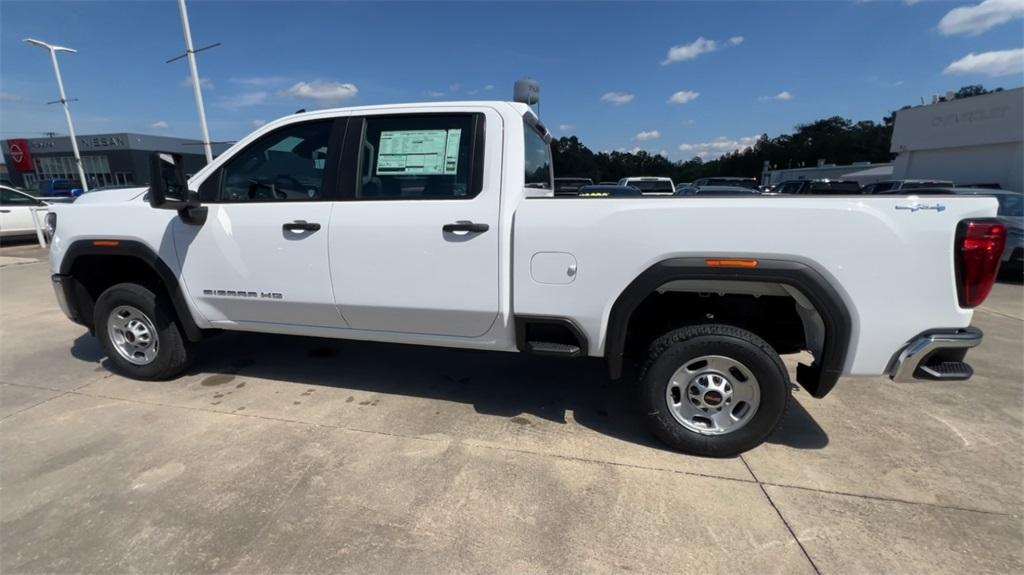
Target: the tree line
pixel 835 140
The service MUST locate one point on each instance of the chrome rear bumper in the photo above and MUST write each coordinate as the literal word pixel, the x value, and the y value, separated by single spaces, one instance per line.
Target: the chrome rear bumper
pixel 936 355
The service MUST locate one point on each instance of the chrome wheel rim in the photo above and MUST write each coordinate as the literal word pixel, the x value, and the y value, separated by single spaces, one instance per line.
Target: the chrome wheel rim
pixel 713 395
pixel 133 335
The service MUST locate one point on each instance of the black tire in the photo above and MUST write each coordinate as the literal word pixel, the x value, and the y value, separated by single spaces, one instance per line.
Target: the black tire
pixel 174 352
pixel 675 349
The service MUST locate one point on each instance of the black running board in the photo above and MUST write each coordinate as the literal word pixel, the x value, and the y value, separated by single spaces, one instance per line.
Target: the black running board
pixel 945 371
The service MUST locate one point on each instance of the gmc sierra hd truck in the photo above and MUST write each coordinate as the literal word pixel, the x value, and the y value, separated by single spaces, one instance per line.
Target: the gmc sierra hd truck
pixel 436 224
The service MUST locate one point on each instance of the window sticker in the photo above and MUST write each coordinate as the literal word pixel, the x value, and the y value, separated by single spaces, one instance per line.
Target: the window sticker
pixel 419 152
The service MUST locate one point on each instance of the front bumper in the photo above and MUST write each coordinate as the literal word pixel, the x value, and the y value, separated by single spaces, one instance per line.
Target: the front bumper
pixel 64 289
pixel 936 355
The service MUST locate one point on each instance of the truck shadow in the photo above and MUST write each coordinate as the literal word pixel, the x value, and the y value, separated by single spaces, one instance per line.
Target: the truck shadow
pixel 499 384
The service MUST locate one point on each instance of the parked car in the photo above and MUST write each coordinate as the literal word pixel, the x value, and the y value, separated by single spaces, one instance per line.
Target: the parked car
pixel 569 186
pixel 817 187
pixel 58 187
pixel 16 213
pixel 699 300
pixel 900 186
pixel 650 186
pixel 751 183
pixel 711 190
pixel 605 191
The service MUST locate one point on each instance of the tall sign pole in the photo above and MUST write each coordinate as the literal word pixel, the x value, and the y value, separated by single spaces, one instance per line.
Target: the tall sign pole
pixel 64 102
pixel 190 53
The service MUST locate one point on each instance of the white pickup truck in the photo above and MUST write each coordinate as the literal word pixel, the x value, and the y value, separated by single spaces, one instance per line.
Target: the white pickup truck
pixel 435 224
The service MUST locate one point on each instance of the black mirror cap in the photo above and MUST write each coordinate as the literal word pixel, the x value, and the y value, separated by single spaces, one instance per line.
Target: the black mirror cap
pixel 168 187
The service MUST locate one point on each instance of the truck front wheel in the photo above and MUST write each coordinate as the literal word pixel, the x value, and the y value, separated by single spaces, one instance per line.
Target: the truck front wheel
pixel 713 390
pixel 138 332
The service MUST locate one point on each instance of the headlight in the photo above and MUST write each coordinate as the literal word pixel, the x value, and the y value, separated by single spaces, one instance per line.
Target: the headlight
pixel 51 224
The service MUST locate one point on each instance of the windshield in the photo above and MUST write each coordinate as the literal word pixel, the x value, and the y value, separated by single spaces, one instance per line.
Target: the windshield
pixel 653 186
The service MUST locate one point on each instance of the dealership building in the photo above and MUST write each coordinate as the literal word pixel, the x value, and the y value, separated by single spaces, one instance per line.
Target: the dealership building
pixel 108 159
pixel 976 140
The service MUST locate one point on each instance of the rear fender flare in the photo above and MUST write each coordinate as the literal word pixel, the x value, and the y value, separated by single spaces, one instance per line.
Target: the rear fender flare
pixel 818 379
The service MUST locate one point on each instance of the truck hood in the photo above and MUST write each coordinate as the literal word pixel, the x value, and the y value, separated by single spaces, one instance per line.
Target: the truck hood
pixel 111 196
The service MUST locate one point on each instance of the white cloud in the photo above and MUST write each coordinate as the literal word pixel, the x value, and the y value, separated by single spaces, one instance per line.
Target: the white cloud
pixel 489 87
pixel 258 123
pixel 617 98
pixel 689 51
pixel 718 146
pixel 910 2
pixel 999 63
pixel 689 122
pixel 434 93
pixel 204 83
pixel 683 96
pixel 663 153
pixel 244 100
pixel 647 136
pixel 973 20
pixel 455 87
pixel 159 125
pixel 566 127
pixel 9 97
pixel 322 92
pixel 699 46
pixel 782 96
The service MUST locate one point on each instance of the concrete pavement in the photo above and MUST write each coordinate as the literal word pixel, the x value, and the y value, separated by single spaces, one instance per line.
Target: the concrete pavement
pixel 279 454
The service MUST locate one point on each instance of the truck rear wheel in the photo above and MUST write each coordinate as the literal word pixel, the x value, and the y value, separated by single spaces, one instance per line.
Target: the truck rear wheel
pixel 138 332
pixel 713 390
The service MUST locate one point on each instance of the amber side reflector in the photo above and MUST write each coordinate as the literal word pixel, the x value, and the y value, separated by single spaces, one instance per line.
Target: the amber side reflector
pixel 105 243
pixel 731 263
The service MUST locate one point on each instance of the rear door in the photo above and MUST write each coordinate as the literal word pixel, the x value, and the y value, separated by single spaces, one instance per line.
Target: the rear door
pixel 414 239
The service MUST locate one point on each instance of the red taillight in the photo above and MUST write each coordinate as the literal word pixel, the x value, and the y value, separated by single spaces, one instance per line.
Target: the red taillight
pixel 979 247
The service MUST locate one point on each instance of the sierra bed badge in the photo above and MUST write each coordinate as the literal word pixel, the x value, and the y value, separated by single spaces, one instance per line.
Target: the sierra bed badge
pixel 237 293
pixel 916 207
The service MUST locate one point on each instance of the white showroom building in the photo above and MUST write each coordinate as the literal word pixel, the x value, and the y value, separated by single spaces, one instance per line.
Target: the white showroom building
pixel 971 141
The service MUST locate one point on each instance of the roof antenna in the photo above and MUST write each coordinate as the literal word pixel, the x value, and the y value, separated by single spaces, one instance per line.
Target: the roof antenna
pixel 300 110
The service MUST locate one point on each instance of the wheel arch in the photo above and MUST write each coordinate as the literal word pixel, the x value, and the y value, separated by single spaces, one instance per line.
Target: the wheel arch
pixel 798 278
pixel 121 251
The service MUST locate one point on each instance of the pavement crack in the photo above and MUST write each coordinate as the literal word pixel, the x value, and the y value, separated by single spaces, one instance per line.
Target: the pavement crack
pixel 781 517
pixel 999 313
pixel 887 499
pixel 34 405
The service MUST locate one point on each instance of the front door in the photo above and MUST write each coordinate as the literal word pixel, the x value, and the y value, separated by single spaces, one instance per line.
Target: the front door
pixel 414 248
pixel 15 212
pixel 261 255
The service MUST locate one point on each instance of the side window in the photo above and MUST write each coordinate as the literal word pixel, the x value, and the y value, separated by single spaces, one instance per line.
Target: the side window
pixel 429 157
pixel 12 198
pixel 285 165
pixel 538 159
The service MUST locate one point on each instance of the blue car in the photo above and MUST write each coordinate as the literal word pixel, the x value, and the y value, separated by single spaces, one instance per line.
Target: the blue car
pixel 59 188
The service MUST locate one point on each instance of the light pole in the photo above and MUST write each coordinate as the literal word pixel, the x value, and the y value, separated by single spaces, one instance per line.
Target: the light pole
pixel 64 101
pixel 191 54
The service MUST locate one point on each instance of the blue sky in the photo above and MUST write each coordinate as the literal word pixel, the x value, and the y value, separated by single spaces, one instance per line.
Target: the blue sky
pixel 609 72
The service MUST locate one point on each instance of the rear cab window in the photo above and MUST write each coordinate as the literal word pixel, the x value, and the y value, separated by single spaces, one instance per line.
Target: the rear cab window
pixel 537 159
pixel 419 157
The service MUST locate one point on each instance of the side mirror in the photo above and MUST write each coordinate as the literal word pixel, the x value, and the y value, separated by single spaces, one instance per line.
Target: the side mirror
pixel 168 188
